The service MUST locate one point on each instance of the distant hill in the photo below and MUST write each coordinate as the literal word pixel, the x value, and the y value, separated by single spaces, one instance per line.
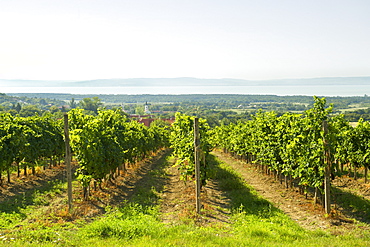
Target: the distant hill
pixel 187 81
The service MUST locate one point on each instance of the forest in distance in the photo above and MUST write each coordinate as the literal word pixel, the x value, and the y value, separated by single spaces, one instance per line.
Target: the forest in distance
pixel 196 98
pixel 216 108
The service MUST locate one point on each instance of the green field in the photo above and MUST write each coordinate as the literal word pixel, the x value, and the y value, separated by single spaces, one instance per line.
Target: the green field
pixel 28 220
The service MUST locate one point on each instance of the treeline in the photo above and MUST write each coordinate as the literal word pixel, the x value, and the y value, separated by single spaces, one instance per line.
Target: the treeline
pixel 226 100
pixel 27 106
pixel 9 100
pixel 355 116
pixel 217 109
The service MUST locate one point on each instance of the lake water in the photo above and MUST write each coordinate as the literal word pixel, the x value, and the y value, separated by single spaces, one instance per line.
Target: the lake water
pixel 342 90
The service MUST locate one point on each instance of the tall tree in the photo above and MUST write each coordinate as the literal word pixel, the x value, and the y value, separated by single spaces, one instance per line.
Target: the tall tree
pixel 91 104
pixel 72 103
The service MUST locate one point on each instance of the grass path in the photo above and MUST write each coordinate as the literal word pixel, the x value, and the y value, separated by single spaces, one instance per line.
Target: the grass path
pixel 234 214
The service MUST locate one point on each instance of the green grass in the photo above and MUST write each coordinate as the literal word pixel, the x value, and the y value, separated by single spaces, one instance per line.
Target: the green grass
pixel 254 222
pixel 15 209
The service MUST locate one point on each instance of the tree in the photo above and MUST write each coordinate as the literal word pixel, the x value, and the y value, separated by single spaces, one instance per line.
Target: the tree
pixel 139 110
pixel 17 107
pixel 43 102
pixel 54 109
pixel 29 110
pixel 72 103
pixel 91 104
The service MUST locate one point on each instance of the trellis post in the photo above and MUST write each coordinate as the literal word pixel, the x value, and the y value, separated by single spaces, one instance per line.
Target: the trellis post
pixel 197 164
pixel 68 162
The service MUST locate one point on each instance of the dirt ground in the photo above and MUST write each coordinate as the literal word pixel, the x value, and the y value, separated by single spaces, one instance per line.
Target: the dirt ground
pixel 295 205
pixel 357 187
pixel 177 199
pixel 111 194
pixel 23 184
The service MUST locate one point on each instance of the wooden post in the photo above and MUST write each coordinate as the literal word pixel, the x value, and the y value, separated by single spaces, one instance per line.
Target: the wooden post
pixel 197 164
pixel 68 162
pixel 8 173
pixel 315 196
pixel 18 170
pixel 366 173
pixel 327 169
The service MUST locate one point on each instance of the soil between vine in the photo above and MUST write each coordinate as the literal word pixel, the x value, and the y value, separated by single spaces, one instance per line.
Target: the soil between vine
pixel 177 200
pixel 295 205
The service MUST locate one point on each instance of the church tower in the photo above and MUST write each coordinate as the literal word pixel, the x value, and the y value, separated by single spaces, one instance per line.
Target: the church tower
pixel 146 108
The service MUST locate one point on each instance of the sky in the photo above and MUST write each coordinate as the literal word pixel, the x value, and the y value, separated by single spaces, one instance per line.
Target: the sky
pixel 242 39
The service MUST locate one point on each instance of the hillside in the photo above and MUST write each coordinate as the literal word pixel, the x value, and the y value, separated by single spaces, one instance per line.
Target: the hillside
pixel 188 81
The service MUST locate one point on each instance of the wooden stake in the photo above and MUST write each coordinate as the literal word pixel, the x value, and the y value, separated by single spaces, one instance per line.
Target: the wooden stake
pixel 315 196
pixel 197 164
pixel 18 170
pixel 8 173
pixel 366 173
pixel 68 161
pixel 327 169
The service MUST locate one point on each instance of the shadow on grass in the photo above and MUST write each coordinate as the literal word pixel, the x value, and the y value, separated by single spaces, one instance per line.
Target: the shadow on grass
pixel 39 191
pixel 26 195
pixel 242 197
pixel 353 205
pixel 152 179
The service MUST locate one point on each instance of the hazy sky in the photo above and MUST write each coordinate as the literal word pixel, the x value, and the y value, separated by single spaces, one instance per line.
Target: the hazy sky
pixel 250 39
